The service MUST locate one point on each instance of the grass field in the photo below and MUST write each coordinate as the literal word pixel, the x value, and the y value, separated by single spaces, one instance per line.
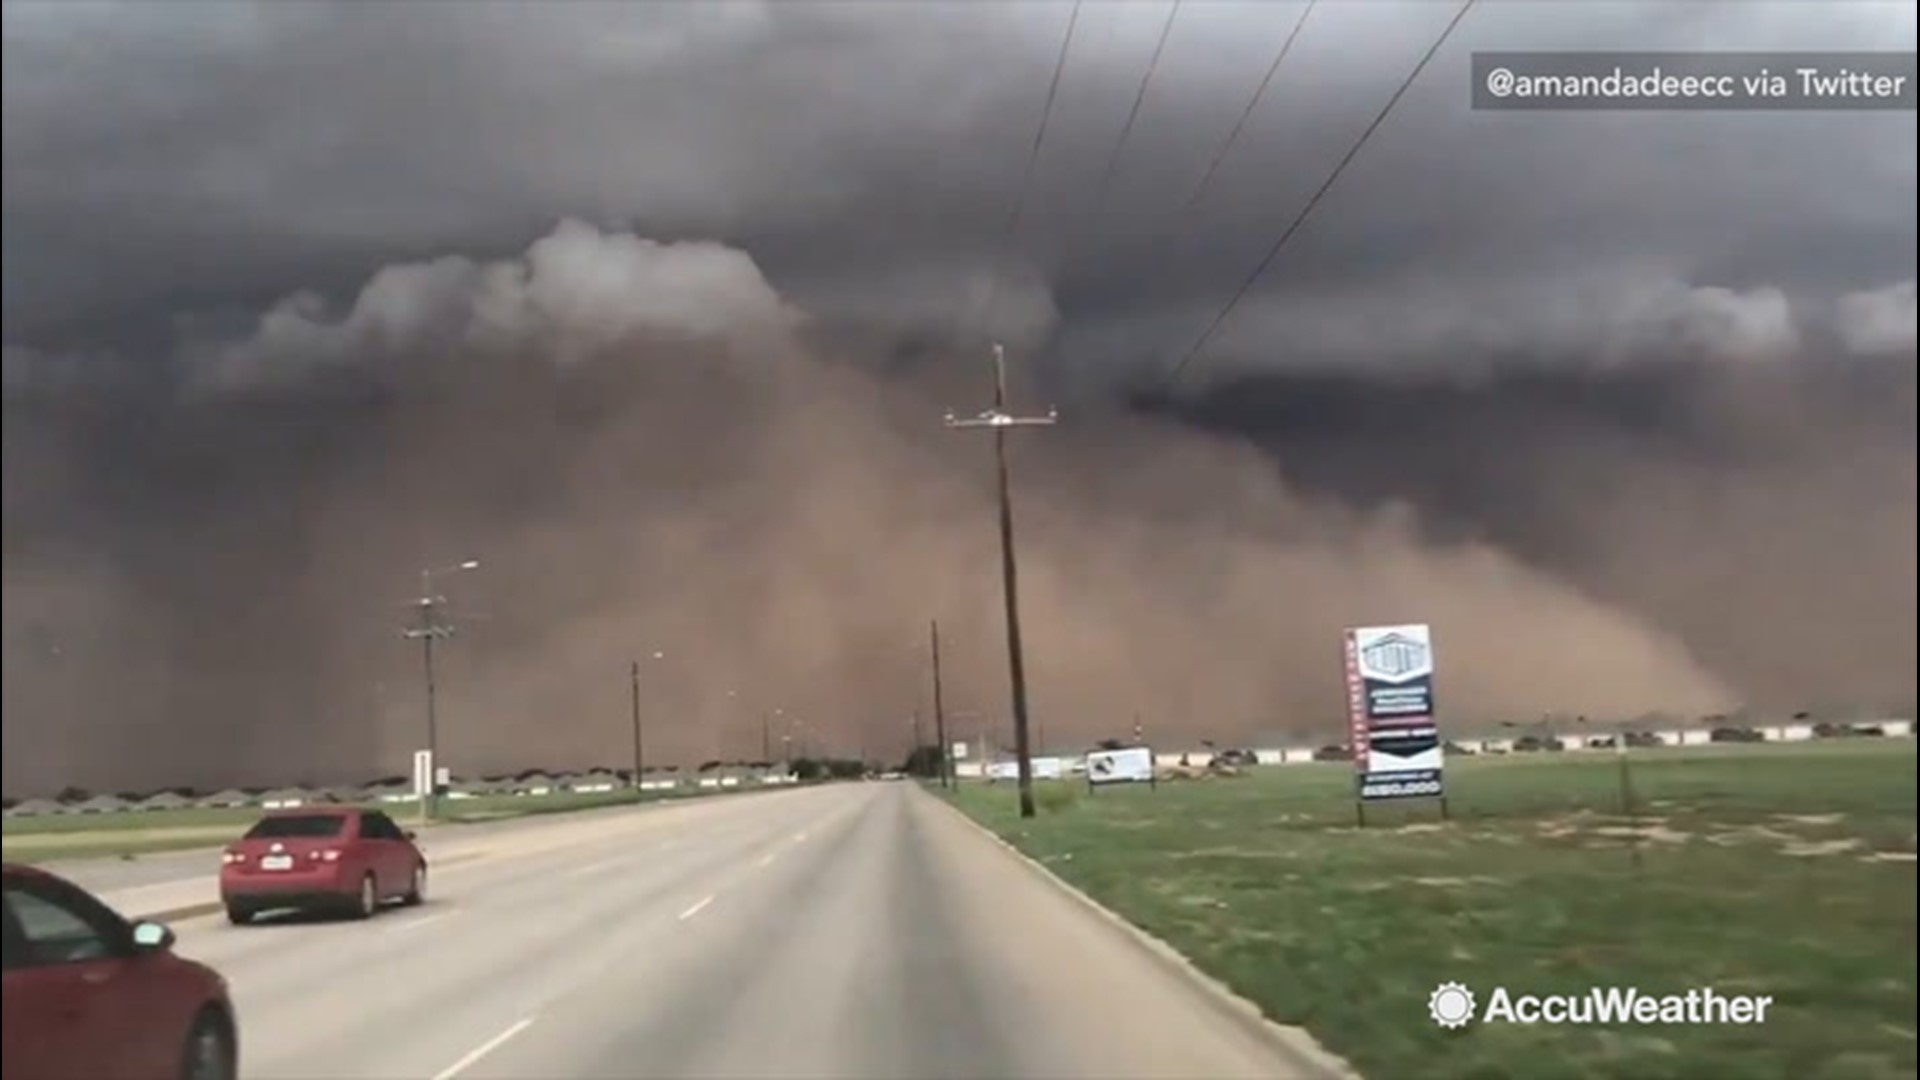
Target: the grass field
pixel 1785 871
pixel 42 838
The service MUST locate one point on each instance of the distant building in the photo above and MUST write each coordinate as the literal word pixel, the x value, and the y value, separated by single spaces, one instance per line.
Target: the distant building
pixel 165 800
pixel 594 781
pixel 535 783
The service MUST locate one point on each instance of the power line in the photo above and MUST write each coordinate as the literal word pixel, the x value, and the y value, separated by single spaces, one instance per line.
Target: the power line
pixel 1313 201
pixel 1247 113
pixel 1033 163
pixel 1133 114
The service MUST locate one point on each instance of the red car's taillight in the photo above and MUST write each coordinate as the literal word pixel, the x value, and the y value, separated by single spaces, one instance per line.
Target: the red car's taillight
pixel 229 858
pixel 329 855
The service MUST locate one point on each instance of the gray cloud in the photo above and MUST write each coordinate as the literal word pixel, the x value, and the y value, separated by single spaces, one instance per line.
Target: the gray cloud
pixel 287 311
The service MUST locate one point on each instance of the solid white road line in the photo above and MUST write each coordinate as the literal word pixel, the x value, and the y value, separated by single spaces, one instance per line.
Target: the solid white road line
pixel 695 909
pixel 483 1050
pixel 763 861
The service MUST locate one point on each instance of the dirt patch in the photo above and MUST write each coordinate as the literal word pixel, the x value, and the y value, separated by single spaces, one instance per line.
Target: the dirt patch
pixel 1229 853
pixel 1384 884
pixel 1420 827
pixel 1654 831
pixel 1566 825
pixel 1806 849
pixel 1811 819
pixel 1888 856
pixel 1752 833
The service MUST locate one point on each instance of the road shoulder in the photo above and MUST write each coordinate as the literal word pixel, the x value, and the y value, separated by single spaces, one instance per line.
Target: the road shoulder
pixel 1290 1043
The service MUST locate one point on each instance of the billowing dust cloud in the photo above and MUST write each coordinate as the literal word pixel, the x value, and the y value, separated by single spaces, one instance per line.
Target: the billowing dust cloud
pixel 649 451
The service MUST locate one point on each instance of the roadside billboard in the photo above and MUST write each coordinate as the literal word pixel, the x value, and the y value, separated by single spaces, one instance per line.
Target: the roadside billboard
pixel 1395 738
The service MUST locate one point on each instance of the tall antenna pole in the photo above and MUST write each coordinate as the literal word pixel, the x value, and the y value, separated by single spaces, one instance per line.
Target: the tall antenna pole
pixel 998 420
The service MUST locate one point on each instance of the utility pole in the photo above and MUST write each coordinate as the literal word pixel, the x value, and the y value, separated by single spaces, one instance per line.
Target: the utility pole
pixel 940 715
pixel 639 753
pixel 999 420
pixel 427 629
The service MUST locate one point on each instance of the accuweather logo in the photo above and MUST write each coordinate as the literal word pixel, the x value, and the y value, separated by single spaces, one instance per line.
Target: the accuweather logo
pixel 1452 1005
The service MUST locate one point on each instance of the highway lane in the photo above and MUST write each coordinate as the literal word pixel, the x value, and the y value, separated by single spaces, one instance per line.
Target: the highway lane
pixel 848 931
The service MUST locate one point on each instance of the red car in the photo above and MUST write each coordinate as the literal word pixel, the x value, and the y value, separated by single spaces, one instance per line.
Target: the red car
pixel 328 858
pixel 92 996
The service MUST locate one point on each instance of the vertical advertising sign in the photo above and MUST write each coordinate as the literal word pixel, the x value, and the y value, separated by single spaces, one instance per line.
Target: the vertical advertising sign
pixel 1395 739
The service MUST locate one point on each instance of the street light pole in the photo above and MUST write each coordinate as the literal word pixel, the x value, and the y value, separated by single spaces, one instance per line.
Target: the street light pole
pixel 639 754
pixel 999 420
pixel 639 746
pixel 426 630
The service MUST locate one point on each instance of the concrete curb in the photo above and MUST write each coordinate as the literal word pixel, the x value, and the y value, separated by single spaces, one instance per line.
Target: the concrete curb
pixel 1293 1043
pixel 181 914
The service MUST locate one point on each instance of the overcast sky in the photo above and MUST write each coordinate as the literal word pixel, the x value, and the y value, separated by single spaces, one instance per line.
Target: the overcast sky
pixel 1666 338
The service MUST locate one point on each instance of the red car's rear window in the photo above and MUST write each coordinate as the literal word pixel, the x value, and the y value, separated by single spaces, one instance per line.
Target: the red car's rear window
pixel 297 826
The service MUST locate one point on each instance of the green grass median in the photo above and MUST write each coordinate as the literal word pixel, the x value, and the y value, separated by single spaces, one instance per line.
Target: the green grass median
pixel 1784 871
pixel 131 833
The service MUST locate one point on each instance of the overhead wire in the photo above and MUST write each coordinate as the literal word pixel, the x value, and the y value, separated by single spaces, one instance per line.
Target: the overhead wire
pixel 1133 114
pixel 1033 162
pixel 1246 114
pixel 1293 227
pixel 1166 240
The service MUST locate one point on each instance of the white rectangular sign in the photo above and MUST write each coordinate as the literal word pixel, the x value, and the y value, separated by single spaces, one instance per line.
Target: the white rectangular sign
pixel 423 773
pixel 1044 768
pixel 1133 764
pixel 959 751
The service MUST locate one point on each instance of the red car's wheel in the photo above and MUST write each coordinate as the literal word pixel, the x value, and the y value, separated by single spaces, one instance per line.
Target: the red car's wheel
pixel 367 904
pixel 210 1052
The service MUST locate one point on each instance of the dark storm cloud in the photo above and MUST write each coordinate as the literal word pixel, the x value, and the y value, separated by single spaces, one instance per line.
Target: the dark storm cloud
pixel 173 171
pixel 191 153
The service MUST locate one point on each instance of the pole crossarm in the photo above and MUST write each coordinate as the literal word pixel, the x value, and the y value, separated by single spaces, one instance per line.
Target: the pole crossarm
pixel 993 418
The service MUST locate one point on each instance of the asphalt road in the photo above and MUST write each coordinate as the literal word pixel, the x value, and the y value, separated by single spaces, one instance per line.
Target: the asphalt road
pixel 858 930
